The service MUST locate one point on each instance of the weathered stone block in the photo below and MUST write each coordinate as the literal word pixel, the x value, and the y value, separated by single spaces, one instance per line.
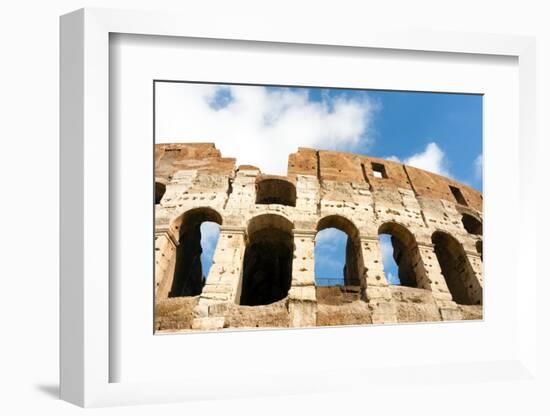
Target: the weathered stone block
pixel 302 293
pixel 450 314
pixel 208 324
pixel 378 292
pixel 383 312
pixel 302 313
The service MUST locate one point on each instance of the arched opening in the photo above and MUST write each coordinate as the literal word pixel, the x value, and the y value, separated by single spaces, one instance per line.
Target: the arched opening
pixel 160 189
pixel 457 271
pixel 210 234
pixel 198 235
pixel 479 248
pixel 330 257
pixel 400 255
pixel 267 267
pixel 276 191
pixel 343 249
pixel 472 224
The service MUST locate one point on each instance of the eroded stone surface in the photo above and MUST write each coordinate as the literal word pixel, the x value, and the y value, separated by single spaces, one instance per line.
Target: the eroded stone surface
pixel 354 313
pixel 471 312
pixel 175 313
pixel 265 253
pixel 274 315
pixel 415 305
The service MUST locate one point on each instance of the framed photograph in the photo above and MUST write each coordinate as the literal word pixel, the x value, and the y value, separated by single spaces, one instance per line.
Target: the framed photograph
pixel 308 233
pixel 237 209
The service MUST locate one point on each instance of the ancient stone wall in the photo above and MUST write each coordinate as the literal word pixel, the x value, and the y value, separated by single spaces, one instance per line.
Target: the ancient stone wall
pixel 263 267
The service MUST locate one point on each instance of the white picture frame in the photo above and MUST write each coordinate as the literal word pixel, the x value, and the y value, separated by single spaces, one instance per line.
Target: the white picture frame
pixel 85 217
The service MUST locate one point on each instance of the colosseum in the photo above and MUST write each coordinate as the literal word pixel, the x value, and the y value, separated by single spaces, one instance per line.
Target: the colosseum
pixel 262 273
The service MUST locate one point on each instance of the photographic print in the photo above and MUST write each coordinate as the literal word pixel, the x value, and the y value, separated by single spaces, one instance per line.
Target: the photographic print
pixel 293 207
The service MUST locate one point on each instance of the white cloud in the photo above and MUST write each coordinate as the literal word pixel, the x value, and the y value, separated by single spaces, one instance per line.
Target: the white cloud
pixel 330 252
pixel 210 231
pixel 330 236
pixel 257 125
pixel 330 240
pixel 392 279
pixel 386 249
pixel 390 266
pixel 431 159
pixel 478 167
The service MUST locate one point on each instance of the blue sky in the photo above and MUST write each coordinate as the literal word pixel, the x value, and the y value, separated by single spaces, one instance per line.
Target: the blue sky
pixel 258 125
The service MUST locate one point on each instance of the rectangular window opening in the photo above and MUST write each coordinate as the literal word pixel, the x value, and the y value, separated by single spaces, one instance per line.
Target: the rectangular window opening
pixel 458 195
pixel 379 171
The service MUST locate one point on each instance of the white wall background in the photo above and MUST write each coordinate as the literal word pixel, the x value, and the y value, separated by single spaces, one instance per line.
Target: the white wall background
pixel 29 174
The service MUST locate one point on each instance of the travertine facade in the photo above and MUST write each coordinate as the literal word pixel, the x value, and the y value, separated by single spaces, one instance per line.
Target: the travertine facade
pixel 263 267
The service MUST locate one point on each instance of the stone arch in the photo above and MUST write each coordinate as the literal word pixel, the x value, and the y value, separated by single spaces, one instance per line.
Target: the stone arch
pixel 340 222
pixel 275 191
pixel 197 214
pixel 267 264
pixel 263 221
pixel 188 279
pixel 354 266
pixel 406 254
pixel 456 269
pixel 472 224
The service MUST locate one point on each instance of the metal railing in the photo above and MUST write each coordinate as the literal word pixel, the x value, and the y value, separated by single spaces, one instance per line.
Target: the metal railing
pixel 329 281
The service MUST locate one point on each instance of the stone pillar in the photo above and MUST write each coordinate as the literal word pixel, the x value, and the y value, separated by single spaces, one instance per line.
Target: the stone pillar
pixel 376 289
pixel 475 288
pixel 431 277
pixel 224 282
pixel 165 261
pixel 302 300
